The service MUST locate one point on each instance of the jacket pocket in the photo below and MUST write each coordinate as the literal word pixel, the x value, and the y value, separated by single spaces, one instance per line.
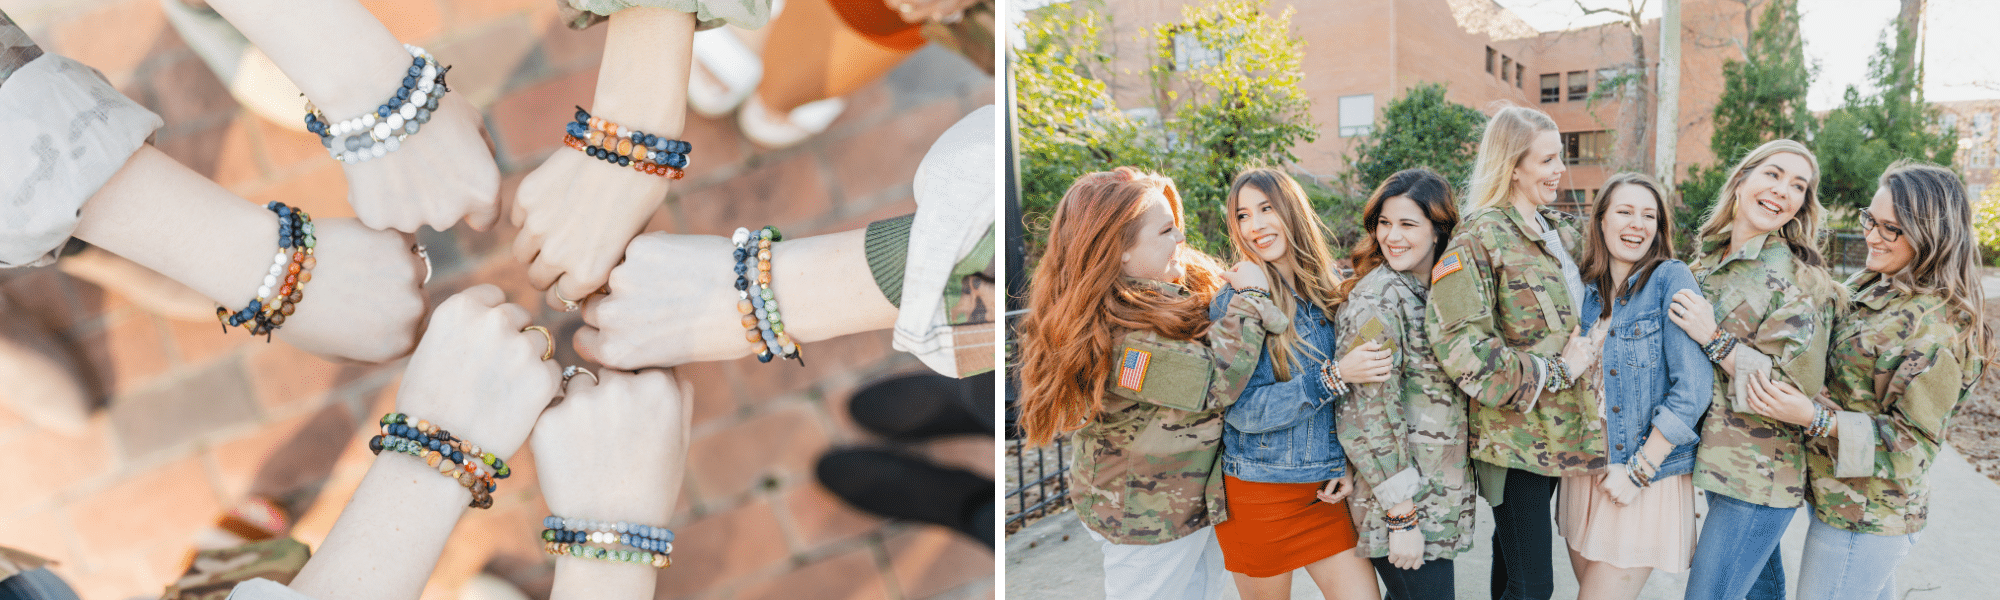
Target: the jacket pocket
pixel 1640 341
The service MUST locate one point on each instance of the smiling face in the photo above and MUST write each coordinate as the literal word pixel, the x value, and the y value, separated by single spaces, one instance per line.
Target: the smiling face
pixel 1885 256
pixel 1540 171
pixel 1405 235
pixel 1631 222
pixel 1771 193
pixel 1259 226
pixel 1155 243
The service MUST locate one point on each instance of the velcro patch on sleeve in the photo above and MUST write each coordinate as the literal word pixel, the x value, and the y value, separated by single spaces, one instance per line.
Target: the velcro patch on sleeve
pixel 1446 266
pixel 1132 368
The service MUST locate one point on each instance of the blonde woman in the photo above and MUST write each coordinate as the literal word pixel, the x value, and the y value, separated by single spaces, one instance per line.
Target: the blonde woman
pixel 1503 317
pixel 1773 307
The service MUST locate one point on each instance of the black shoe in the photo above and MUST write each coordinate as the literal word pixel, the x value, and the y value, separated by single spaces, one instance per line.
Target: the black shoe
pixel 922 406
pixel 904 487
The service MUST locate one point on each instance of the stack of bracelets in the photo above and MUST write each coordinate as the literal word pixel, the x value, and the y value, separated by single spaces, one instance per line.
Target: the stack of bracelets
pixel 1640 470
pixel 285 285
pixel 1719 346
pixel 454 458
pixel 1403 523
pixel 653 546
pixel 1822 422
pixel 765 328
pixel 1559 375
pixel 382 131
pixel 625 147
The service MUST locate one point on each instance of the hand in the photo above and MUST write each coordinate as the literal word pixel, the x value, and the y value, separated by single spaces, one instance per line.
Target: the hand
pixel 440 175
pixel 918 11
pixel 664 303
pixel 362 303
pixel 1581 350
pixel 615 450
pixel 1337 489
pixel 477 374
pixel 1406 548
pixel 576 215
pixel 1618 483
pixel 1368 363
pixel 1694 314
pixel 1247 274
pixel 1779 400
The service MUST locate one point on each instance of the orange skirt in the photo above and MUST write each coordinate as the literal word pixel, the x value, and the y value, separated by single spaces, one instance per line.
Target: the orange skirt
pixel 1274 528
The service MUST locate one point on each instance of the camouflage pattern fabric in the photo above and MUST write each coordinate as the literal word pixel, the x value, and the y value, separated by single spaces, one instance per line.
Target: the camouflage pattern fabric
pixel 16 50
pixel 1498 308
pixel 1406 438
pixel 1148 470
pixel 1744 455
pixel 216 572
pixel 1900 370
pixel 969 300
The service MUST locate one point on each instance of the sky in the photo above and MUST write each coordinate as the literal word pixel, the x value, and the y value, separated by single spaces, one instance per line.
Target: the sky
pixel 1840 35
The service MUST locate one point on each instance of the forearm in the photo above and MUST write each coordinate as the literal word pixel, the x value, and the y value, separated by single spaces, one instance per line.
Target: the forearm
pixel 160 214
pixel 824 288
pixel 390 535
pixel 593 579
pixel 344 60
pixel 642 83
pixel 1657 447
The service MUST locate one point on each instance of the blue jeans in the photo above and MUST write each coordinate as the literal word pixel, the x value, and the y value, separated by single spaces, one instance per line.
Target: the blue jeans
pixel 1844 565
pixel 1738 538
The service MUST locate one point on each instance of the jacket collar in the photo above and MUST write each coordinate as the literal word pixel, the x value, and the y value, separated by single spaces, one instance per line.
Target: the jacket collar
pixel 1873 290
pixel 1758 248
pixel 1164 287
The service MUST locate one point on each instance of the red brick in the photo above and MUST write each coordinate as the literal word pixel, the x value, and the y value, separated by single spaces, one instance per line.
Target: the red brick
pixel 526 124
pixel 127 353
pixel 929 561
pixel 45 533
pixel 850 575
pixel 867 105
pixel 163 503
pixel 714 393
pixel 717 550
pixel 782 443
pixel 718 146
pixel 320 190
pixel 785 194
pixel 412 22
pixel 471 13
pixel 139 30
pixel 567 50
pixel 284 456
pixel 185 408
pixel 186 91
pixel 893 149
pixel 818 518
pixel 288 152
pixel 198 342
pixel 486 58
pixel 883 207
pixel 286 378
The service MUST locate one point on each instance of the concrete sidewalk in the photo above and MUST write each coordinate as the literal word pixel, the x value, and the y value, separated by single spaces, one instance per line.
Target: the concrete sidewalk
pixel 1957 556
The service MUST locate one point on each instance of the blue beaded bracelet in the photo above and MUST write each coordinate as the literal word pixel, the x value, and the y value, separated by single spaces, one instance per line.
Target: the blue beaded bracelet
pixel 382 131
pixel 764 326
pixel 569 536
pixel 284 286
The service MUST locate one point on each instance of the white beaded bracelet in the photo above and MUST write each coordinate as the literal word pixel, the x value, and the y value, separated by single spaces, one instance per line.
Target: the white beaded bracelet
pixel 376 134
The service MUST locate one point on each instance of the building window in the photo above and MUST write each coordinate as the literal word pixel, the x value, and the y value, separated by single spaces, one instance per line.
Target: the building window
pixel 1982 158
pixel 1492 58
pixel 1521 76
pixel 1579 86
pixel 1948 123
pixel 1980 121
pixel 1604 78
pixel 1506 67
pixel 1551 87
pixel 1190 53
pixel 1357 115
pixel 1586 147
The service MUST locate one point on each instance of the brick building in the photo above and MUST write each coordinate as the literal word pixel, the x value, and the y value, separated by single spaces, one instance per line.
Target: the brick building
pixel 1978 126
pixel 1360 54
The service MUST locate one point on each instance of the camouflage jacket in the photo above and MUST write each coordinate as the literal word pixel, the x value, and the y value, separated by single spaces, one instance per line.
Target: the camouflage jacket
pixel 1498 312
pixel 1406 438
pixel 1745 455
pixel 1148 469
pixel 1897 372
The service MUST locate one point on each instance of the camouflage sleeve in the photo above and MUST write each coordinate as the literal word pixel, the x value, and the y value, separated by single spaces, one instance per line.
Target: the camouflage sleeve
pixel 1793 335
pixel 1372 416
pixel 1461 319
pixel 1924 388
pixel 1236 340
pixel 16 50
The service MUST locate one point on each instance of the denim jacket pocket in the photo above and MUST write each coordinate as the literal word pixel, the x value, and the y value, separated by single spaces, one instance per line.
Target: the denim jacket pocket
pixel 1641 349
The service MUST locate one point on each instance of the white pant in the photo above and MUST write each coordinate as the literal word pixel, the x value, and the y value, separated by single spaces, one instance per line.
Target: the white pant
pixel 1189 568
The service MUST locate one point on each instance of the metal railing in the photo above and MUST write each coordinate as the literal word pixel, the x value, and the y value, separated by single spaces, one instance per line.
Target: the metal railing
pixel 1041 478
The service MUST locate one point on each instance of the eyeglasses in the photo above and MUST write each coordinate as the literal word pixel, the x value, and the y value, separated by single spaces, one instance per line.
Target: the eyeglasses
pixel 1889 232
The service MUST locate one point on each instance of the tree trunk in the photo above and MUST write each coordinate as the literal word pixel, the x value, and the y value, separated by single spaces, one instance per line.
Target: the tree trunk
pixel 1668 136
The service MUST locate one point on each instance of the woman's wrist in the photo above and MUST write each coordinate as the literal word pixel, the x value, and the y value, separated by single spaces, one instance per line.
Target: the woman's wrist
pixel 642 81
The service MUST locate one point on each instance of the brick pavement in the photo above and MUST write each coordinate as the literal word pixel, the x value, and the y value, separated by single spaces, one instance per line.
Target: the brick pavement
pixel 197 420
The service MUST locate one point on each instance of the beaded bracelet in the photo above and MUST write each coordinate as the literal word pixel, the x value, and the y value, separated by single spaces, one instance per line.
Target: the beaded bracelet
pixel 465 462
pixel 1640 470
pixel 1329 374
pixel 381 131
pixel 580 531
pixel 657 560
pixel 625 147
pixel 1403 523
pixel 1255 292
pixel 1822 422
pixel 763 326
pixel 1719 346
pixel 290 269
pixel 1558 376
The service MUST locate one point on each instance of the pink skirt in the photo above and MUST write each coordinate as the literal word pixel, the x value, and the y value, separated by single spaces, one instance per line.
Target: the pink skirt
pixel 1656 530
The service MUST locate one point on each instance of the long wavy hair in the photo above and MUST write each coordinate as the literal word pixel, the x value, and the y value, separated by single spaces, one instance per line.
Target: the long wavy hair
pixel 1801 234
pixel 1508 138
pixel 1595 265
pixel 1079 302
pixel 1936 216
pixel 1306 242
pixel 1433 196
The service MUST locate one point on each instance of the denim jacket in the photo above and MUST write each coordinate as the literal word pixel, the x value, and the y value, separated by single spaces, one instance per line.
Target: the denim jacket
pixel 1655 376
pixel 1281 431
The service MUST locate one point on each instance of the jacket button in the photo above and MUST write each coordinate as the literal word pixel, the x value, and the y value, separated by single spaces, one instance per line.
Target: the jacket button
pixel 1621 446
pixel 1614 372
pixel 1617 409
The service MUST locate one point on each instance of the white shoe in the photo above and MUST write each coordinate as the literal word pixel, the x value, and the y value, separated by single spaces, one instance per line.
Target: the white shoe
pixel 724 73
pixel 779 131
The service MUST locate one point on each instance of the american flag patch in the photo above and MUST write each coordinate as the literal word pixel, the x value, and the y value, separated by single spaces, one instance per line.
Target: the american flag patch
pixel 1132 370
pixel 1445 267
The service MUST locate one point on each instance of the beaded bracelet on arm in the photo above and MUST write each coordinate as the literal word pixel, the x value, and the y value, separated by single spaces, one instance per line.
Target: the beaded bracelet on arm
pixel 284 286
pixel 651 546
pixel 1559 376
pixel 626 147
pixel 1329 374
pixel 1822 422
pixel 1400 523
pixel 457 459
pixel 764 326
pixel 381 131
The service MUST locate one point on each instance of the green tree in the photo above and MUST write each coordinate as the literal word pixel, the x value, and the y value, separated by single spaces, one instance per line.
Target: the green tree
pixel 1227 76
pixel 1867 132
pixel 1067 124
pixel 1418 129
pixel 1763 99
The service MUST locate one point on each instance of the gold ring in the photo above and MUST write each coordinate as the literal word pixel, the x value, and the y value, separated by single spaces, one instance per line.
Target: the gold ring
pixel 426 255
pixel 550 352
pixel 572 371
pixel 568 304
